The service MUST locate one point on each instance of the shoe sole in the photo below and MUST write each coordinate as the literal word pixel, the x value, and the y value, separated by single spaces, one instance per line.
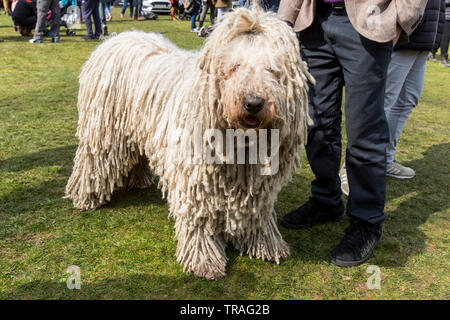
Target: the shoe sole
pixel 348 264
pixel 309 225
pixel 399 177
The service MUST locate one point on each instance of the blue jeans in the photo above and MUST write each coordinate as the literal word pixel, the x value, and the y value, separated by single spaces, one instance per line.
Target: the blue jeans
pixel 337 54
pixel 404 85
pixel 101 12
pixel 194 15
pixel 124 7
pixel 243 3
pixel 108 7
pixel 269 5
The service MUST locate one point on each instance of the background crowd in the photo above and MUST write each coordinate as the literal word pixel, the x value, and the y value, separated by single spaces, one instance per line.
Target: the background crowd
pixel 45 17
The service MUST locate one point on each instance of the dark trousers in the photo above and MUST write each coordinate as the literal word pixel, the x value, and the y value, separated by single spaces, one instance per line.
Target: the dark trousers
pixel 205 7
pixel 445 39
pixel 26 22
pixel 42 11
pixel 89 9
pixel 271 5
pixel 137 8
pixel 336 56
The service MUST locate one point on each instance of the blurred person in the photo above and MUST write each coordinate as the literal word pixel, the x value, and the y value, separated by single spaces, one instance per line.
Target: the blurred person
pixel 222 8
pixel 89 9
pixel 174 9
pixel 24 16
pixel 138 10
pixel 43 7
pixel 192 8
pixel 207 5
pixel 440 31
pixel 244 3
pixel 446 36
pixel 13 4
pixel 124 8
pixel 108 10
pixel 268 5
pixel 8 11
pixel 102 16
pixel 271 5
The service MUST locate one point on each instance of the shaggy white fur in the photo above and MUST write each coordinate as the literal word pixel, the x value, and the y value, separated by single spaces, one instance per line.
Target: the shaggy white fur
pixel 139 99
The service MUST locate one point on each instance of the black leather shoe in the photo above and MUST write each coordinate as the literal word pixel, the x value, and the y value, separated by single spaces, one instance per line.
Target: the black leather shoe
pixel 357 246
pixel 312 213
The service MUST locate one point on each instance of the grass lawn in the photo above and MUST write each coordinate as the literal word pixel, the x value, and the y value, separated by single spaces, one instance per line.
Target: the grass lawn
pixel 126 250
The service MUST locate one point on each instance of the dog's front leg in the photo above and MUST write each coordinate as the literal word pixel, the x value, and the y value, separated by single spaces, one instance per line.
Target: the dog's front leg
pixel 200 251
pixel 266 243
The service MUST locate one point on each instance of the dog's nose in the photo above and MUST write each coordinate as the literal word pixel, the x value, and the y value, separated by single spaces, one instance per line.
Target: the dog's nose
pixel 253 104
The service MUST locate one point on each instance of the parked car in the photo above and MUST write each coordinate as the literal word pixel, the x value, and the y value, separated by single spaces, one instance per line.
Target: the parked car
pixel 156 6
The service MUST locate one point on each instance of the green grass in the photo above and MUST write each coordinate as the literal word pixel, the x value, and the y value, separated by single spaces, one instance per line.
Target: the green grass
pixel 127 249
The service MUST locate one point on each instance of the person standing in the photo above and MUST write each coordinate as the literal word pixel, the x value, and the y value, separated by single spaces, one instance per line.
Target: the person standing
pixel 43 6
pixel 405 81
pixel 243 3
pixel 206 5
pixel 445 40
pixel 222 7
pixel 348 42
pixel 89 8
pixel 193 9
pixel 138 10
pixel 24 16
pixel 437 41
pixel 102 16
pixel 404 85
pixel 124 8
pixel 174 9
pixel 108 10
pixel 271 5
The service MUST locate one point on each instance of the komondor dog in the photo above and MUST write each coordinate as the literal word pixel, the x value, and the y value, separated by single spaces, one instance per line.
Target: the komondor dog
pixel 141 103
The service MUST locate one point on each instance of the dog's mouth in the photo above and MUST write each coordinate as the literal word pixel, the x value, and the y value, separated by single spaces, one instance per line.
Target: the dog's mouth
pixel 250 121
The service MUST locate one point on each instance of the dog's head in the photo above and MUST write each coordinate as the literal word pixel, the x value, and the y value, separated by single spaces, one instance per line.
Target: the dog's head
pixel 254 60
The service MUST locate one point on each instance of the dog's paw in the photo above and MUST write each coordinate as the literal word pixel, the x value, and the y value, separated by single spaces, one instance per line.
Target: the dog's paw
pixel 209 273
pixel 270 251
pixel 283 253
